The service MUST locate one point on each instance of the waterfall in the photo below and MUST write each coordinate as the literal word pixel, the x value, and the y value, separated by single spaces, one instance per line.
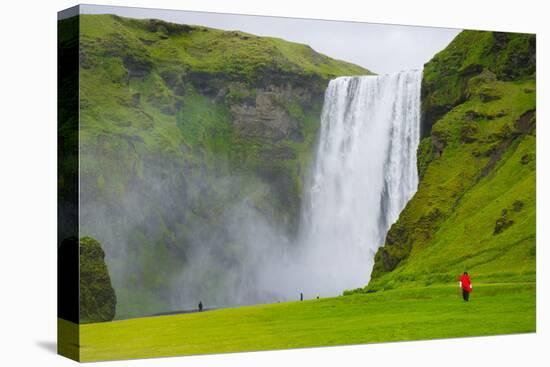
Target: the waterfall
pixel 364 174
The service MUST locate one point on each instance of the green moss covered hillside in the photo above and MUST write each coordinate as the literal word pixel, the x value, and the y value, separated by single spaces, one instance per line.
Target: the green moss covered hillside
pixel 178 125
pixel 475 206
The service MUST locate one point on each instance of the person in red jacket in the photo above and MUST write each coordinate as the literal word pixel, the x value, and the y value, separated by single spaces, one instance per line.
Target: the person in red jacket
pixel 466 286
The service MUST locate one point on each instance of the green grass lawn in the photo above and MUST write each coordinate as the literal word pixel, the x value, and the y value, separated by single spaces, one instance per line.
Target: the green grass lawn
pixel 395 315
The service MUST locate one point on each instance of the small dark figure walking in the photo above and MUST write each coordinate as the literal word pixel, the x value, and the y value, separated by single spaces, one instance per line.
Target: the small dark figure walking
pixel 466 286
pixel 200 306
pixel 301 296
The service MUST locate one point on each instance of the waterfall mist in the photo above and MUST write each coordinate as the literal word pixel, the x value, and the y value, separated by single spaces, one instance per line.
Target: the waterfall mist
pixel 363 174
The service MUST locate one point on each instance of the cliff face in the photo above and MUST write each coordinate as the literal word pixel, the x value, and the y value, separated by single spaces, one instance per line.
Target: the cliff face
pixel 475 206
pixel 508 56
pixel 178 125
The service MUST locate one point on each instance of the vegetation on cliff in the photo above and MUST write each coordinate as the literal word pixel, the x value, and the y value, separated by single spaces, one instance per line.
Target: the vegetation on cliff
pixel 509 56
pixel 97 296
pixel 475 206
pixel 178 124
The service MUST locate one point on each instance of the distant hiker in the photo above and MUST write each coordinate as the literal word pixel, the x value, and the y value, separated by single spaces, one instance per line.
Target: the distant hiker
pixel 301 296
pixel 200 306
pixel 466 286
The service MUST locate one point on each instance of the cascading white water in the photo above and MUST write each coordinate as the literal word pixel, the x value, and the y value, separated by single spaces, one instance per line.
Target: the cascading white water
pixel 364 175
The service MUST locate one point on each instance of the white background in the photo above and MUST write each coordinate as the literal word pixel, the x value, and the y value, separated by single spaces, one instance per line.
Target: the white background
pixel 28 183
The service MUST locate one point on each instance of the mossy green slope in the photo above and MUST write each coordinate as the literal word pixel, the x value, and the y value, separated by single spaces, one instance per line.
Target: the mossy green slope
pixel 475 207
pixel 179 123
pixel 97 296
pixel 510 56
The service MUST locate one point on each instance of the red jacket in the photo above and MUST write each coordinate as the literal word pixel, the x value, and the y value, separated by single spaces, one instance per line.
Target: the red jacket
pixel 465 283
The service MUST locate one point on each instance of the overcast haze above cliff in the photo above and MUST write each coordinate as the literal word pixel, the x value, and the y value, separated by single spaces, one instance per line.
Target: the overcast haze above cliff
pixel 378 47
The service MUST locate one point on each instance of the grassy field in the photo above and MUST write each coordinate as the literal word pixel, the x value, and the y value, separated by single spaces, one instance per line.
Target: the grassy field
pixel 395 315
